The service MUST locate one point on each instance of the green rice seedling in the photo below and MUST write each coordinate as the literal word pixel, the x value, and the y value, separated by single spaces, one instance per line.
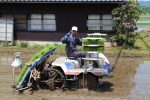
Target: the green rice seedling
pixel 90 35
pixel 85 41
pixel 42 51
pixel 51 46
pixel 100 48
pixel 103 36
pixel 93 48
pixel 22 73
pixel 34 57
pixel 37 55
pixel 98 36
pixel 101 41
pixel 85 48
pixel 93 41
pixel 79 47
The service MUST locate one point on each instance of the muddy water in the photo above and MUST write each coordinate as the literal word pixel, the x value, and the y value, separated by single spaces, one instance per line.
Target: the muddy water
pixel 130 79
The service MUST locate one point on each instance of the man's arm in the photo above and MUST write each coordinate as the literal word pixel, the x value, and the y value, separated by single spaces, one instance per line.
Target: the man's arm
pixel 65 38
pixel 79 41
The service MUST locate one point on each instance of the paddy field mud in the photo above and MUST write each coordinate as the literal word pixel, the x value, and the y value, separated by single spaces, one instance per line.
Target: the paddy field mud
pixel 130 80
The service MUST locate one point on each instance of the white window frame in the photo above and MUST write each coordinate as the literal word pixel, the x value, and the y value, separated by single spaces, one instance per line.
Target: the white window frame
pixel 42 22
pixel 99 22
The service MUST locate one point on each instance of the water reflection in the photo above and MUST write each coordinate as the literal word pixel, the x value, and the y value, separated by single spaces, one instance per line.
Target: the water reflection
pixel 142 27
pixel 142 80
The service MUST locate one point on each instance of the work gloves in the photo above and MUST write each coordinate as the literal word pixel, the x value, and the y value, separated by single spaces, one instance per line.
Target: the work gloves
pixel 67 35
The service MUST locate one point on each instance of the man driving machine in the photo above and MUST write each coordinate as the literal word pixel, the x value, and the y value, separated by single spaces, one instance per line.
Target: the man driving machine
pixel 71 40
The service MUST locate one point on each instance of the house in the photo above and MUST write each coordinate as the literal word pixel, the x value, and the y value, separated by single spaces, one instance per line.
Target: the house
pixel 49 20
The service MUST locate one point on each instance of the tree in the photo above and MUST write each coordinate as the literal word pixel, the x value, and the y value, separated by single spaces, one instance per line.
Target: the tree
pixel 126 16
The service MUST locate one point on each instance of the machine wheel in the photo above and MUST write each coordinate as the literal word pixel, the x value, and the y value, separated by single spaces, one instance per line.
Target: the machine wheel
pixel 87 81
pixel 55 79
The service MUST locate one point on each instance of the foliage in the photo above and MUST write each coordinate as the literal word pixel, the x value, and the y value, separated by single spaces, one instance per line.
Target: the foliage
pixel 146 9
pixel 23 44
pixel 5 44
pixel 126 17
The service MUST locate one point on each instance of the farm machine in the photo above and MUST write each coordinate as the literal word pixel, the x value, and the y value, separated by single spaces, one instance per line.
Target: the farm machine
pixel 62 73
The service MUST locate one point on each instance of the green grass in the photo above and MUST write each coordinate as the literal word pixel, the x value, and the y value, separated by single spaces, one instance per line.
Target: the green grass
pixel 139 45
pixel 144 19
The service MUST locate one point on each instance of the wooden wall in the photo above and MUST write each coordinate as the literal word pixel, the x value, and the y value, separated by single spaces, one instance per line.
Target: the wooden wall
pixel 67 15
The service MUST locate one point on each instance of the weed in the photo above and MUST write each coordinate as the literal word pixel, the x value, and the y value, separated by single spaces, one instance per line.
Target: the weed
pixel 23 44
pixel 5 44
pixel 32 47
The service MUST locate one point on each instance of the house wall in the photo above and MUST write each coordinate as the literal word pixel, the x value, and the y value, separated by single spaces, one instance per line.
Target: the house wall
pixel 67 15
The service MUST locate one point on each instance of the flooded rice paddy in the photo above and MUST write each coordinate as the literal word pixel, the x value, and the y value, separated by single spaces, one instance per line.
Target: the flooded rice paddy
pixel 129 80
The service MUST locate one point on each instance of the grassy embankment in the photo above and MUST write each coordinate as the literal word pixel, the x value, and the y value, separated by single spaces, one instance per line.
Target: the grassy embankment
pixel 139 45
pixel 144 17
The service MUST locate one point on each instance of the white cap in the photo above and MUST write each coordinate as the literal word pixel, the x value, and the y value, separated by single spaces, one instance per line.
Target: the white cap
pixel 74 28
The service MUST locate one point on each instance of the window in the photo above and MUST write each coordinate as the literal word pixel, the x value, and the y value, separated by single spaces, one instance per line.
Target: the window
pixel 42 22
pixel 99 22
pixel 20 21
